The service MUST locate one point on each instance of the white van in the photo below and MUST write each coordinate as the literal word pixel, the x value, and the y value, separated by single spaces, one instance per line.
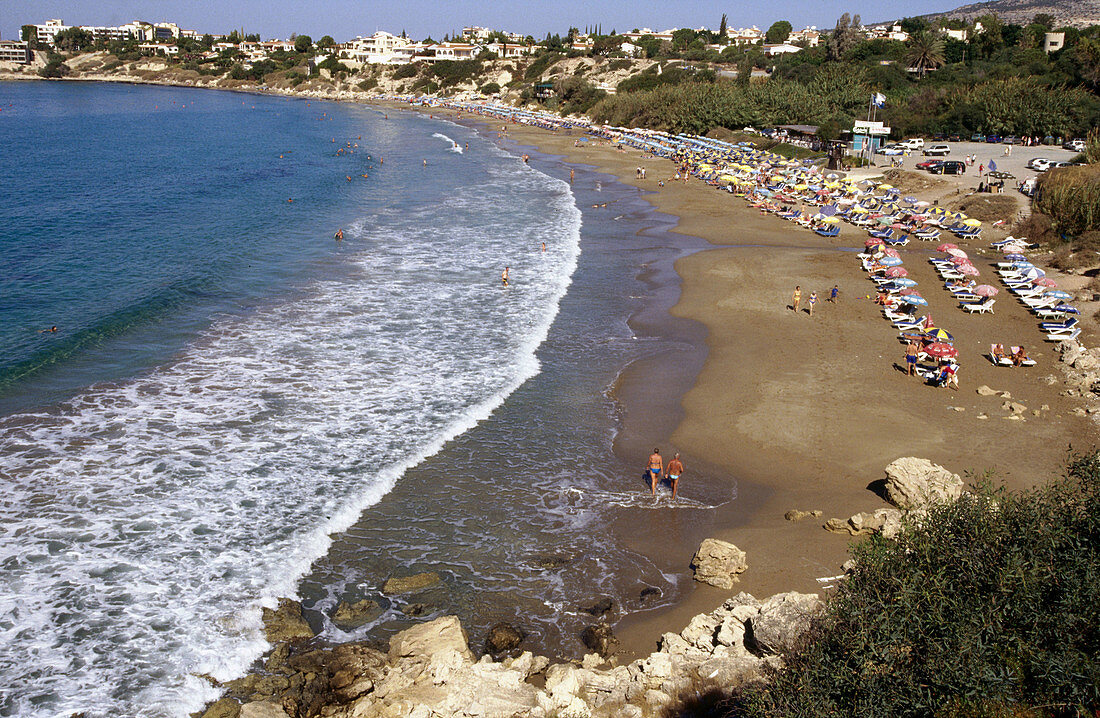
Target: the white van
pixel 914 143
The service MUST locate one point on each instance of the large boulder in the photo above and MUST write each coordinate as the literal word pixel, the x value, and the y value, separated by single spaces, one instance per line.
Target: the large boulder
pixel 913 483
pixel 718 563
pixel 353 615
pixel 262 709
pixel 781 620
pixel 285 623
pixel 502 638
pixel 428 639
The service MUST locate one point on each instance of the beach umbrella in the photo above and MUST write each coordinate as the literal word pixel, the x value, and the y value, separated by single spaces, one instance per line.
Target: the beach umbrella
pixel 1012 257
pixel 946 246
pixel 903 282
pixel 968 269
pixel 895 272
pixel 985 290
pixel 1032 273
pixel 872 242
pixel 891 252
pixel 915 299
pixel 886 186
pixel 959 260
pixel 1059 294
pixel 1067 308
pixel 1044 282
pixel 941 350
pixel 972 222
pixel 828 210
pixel 909 292
pixel 891 261
pixel 923 203
pixel 956 252
pixel 830 220
pixel 939 335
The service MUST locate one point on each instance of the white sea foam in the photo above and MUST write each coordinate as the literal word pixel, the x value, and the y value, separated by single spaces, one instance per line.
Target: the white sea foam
pixel 455 147
pixel 144 524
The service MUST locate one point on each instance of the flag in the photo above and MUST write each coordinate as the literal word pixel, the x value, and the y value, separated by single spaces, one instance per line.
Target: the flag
pixel 878 99
pixel 992 166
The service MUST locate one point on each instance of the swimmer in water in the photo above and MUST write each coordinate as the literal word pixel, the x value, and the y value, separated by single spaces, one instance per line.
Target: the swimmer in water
pixel 504 276
pixel 339 235
pixel 51 330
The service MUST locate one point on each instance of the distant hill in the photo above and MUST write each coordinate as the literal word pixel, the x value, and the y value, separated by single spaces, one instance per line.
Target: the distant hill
pixel 1072 13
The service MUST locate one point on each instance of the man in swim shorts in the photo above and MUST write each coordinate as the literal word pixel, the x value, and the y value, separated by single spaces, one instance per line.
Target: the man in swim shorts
pixel 654 466
pixel 911 358
pixel 675 471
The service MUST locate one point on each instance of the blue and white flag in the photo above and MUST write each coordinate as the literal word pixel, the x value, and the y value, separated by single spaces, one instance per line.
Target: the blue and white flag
pixel 878 99
pixel 992 166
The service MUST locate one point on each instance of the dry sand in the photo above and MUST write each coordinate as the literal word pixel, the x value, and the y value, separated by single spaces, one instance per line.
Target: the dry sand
pixel 804 412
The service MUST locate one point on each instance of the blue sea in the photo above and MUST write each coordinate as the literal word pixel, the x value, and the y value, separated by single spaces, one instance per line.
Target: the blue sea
pixel 236 407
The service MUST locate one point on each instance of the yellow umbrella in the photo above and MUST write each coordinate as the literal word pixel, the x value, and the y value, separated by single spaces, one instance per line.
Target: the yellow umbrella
pixel 728 178
pixel 778 178
pixel 860 210
pixel 972 222
pixel 802 186
pixel 886 186
pixel 830 220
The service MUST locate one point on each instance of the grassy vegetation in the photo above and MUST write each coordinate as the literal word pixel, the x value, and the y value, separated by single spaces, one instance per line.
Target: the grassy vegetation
pixel 1070 196
pixel 989 606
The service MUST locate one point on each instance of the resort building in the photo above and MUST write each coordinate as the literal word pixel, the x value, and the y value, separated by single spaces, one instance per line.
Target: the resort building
pixel 782 48
pixel 745 36
pixel 15 51
pixel 158 48
pixel 807 37
pixel 959 35
pixel 381 48
pixel 137 30
pixel 503 50
pixel 455 51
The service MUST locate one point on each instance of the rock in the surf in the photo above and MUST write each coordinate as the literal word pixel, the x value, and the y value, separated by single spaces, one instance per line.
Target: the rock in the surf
pixel 599 608
pixel 502 638
pixel 353 615
pixel 286 623
pixel 600 639
pixel 718 563
pixel 428 639
pixel 409 584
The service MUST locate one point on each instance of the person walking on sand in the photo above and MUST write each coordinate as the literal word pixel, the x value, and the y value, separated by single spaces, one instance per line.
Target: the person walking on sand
pixel 654 466
pixel 813 301
pixel 911 358
pixel 835 294
pixel 797 299
pixel 675 471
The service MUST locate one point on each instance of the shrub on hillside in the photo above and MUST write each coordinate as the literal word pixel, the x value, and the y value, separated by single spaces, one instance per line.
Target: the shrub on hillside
pixel 1070 196
pixel 989 606
pixel 456 72
pixel 540 64
pixel 405 71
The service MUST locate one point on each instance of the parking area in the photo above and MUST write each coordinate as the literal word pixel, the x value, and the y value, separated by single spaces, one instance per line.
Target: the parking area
pixel 1014 163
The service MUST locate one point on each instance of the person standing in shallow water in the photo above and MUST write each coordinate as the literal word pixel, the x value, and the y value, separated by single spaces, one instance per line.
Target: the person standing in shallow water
pixel 654 466
pixel 504 276
pixel 675 471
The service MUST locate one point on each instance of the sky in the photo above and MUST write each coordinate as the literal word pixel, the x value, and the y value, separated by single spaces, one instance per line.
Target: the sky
pixel 346 19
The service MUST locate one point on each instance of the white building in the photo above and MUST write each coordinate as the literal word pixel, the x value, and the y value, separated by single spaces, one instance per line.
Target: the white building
pixel 1053 41
pixel 510 50
pixel 45 33
pixel 15 51
pixel 782 48
pixel 380 48
pixel 809 37
pixel 147 32
pixel 745 35
pixel 158 48
pixel 455 51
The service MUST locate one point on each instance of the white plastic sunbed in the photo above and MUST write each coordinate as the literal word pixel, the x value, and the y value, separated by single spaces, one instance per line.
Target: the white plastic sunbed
pixel 1002 361
pixel 986 306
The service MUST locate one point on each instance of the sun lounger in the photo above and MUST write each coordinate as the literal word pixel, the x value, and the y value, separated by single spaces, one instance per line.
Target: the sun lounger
pixel 1002 361
pixel 966 298
pixel 1028 361
pixel 831 232
pixel 1067 325
pixel 1060 336
pixel 986 306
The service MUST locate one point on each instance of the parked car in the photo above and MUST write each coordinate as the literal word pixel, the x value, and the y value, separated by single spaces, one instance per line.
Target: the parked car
pixel 892 150
pixel 1075 145
pixel 1011 140
pixel 937 151
pixel 1060 164
pixel 927 164
pixel 948 167
pixel 977 138
pixel 1040 164
pixel 913 143
pixel 993 139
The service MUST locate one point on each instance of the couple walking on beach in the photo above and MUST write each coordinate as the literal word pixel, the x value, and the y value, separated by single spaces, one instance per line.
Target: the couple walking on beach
pixel 654 467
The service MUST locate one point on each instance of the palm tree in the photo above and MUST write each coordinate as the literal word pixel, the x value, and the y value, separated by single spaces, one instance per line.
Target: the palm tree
pixel 925 51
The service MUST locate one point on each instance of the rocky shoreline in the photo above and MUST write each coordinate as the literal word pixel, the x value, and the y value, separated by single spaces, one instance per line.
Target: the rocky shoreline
pixel 430 671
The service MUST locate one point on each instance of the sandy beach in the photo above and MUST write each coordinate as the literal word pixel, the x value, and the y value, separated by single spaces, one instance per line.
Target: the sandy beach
pixel 805 412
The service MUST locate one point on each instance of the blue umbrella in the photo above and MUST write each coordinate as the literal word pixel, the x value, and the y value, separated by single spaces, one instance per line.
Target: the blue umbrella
pixel 1059 294
pixel 1067 308
pixel 891 261
pixel 911 200
pixel 1033 273
pixel 905 282
pixel 1015 257
pixel 915 299
pixel 828 210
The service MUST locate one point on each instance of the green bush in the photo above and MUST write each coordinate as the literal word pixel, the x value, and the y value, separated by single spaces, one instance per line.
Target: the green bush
pixel 988 606
pixel 55 67
pixel 456 72
pixel 1070 196
pixel 540 65
pixel 368 84
pixel 490 88
pixel 406 71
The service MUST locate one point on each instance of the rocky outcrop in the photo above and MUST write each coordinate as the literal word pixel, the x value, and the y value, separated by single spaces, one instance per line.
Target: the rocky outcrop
pixel 884 521
pixel 409 584
pixel 600 639
pixel 718 563
pixel 285 623
pixel 429 671
pixel 353 615
pixel 502 638
pixel 913 483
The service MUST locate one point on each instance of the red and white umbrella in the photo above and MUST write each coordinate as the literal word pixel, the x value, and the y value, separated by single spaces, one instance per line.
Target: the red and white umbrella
pixel 985 290
pixel 891 252
pixel 909 292
pixel 1044 282
pixel 894 272
pixel 941 350
pixel 946 246
pixel 872 242
pixel 961 260
pixel 968 270
pixel 956 252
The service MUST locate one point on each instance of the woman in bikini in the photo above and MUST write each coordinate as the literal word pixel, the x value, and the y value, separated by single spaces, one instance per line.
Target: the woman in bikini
pixel 653 467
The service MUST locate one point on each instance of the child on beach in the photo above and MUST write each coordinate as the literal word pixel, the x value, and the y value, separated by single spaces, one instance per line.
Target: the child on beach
pixel 834 294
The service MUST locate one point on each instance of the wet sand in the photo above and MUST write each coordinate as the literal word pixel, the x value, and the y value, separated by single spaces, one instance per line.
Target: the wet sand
pixel 805 412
